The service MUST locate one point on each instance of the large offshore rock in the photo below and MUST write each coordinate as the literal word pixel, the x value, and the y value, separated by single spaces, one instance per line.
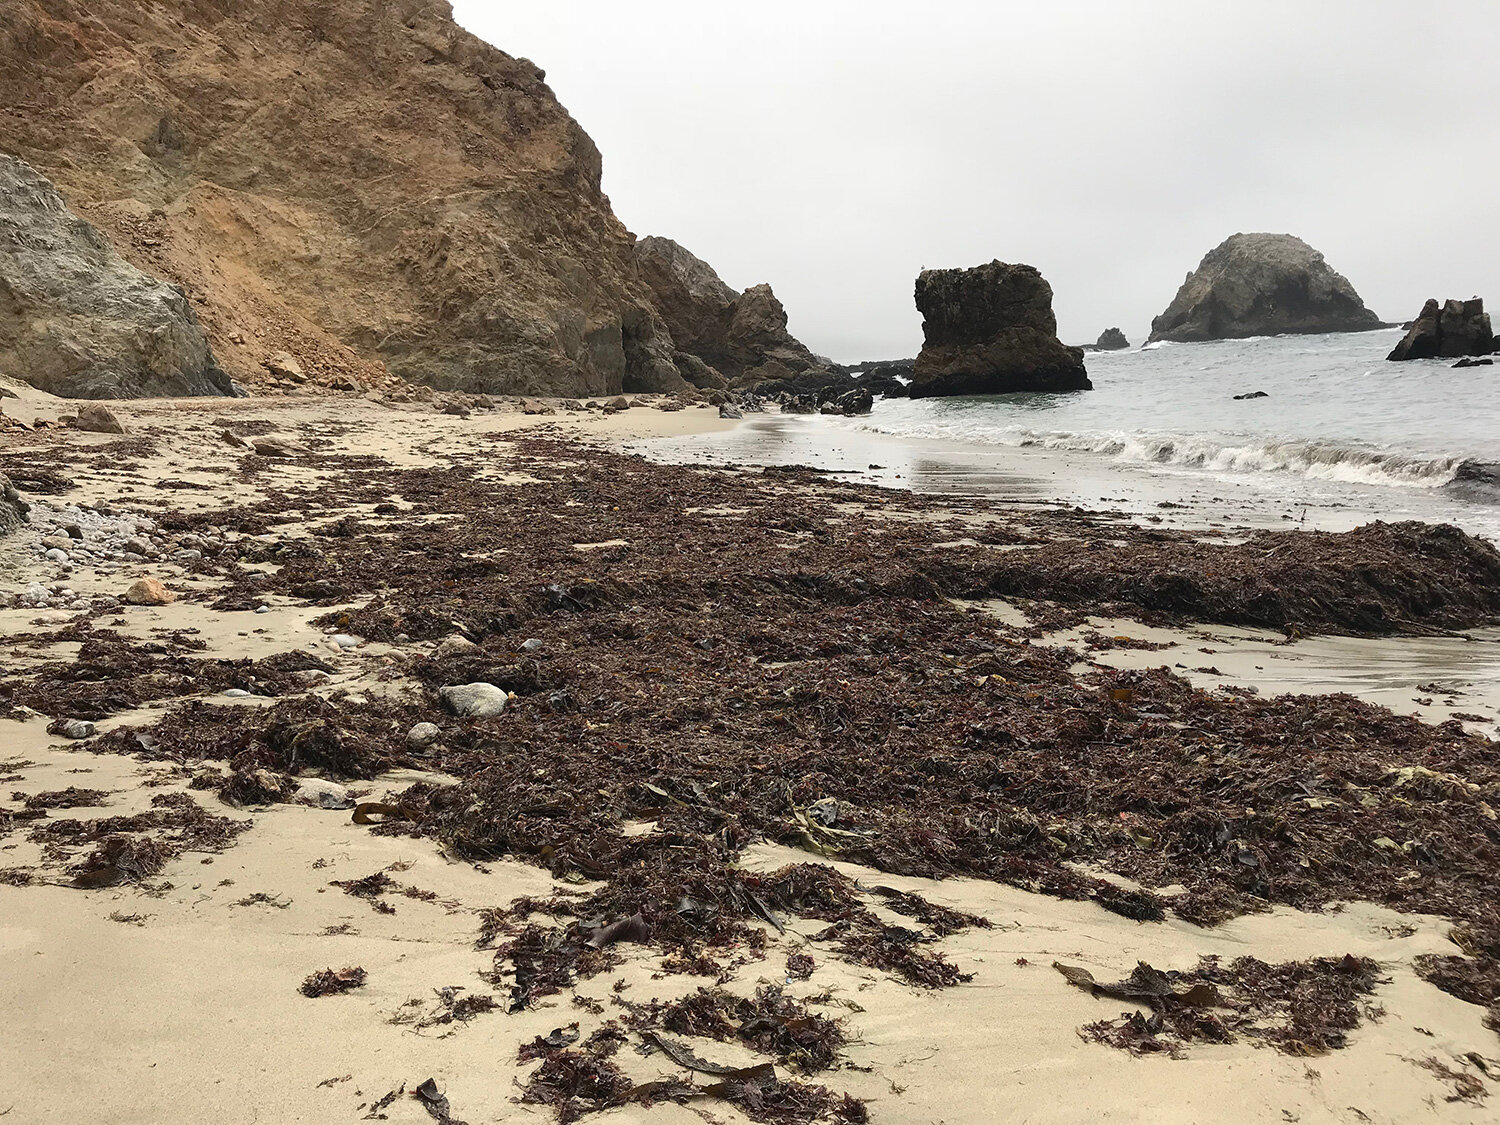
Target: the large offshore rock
pixel 743 337
pixel 79 321
pixel 1112 340
pixel 1262 285
pixel 991 330
pixel 1455 328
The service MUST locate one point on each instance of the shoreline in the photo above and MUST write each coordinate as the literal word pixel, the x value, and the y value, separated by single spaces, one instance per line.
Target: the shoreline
pixel 199 976
pixel 1167 496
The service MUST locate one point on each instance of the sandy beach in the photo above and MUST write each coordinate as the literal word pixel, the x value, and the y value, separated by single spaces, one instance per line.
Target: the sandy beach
pixel 172 995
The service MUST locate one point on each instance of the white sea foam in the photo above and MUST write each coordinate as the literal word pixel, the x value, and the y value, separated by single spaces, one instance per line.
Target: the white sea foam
pixel 1313 460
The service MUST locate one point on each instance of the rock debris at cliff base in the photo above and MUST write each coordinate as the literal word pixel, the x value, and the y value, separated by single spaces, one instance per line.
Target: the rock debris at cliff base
pixel 739 658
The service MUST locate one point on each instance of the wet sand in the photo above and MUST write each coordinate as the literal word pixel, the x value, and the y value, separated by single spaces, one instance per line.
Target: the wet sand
pixel 1164 495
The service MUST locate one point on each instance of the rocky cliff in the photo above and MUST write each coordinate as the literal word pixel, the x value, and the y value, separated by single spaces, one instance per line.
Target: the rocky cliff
pixel 79 321
pixel 991 330
pixel 1262 285
pixel 1449 330
pixel 361 184
pixel 742 336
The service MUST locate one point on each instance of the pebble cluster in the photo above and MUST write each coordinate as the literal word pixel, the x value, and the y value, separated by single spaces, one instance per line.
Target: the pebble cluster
pixel 104 539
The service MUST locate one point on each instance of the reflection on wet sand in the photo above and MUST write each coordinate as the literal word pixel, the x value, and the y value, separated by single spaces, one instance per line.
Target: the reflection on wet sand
pixel 1034 474
pixel 1432 678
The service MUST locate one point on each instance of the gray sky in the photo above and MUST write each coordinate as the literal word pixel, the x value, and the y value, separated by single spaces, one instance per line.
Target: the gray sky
pixel 834 148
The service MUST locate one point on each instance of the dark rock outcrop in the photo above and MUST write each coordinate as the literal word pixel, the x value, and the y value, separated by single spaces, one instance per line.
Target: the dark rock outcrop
pixel 79 321
pixel 1450 330
pixel 1112 340
pixel 1262 285
pixel 991 330
pixel 12 508
pixel 742 337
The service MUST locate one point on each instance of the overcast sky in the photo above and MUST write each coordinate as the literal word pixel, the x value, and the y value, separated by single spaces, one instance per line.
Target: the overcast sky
pixel 836 147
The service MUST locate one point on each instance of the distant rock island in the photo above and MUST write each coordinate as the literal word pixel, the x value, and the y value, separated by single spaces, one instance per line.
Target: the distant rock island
pixel 1262 285
pixel 991 330
pixel 1111 340
pixel 1450 330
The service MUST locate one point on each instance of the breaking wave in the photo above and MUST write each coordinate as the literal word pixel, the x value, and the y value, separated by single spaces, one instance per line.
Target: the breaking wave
pixel 1313 460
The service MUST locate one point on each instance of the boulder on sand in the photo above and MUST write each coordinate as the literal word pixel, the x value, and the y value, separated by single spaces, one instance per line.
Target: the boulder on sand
pixel 149 591
pixel 97 419
pixel 1456 328
pixel 478 701
pixel 80 321
pixel 1262 285
pixel 991 330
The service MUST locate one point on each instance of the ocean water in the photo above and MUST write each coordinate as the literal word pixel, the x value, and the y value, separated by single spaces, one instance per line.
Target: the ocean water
pixel 1342 437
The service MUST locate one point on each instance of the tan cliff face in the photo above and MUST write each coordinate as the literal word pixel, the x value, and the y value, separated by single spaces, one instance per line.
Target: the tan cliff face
pixel 362 184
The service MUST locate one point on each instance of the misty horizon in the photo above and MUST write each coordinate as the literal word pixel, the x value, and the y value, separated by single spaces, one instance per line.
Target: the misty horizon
pixel 836 149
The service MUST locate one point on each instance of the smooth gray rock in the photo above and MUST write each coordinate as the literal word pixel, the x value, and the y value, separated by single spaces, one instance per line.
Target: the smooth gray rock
pixel 423 735
pixel 477 701
pixel 79 728
pixel 532 644
pixel 322 794
pixel 79 321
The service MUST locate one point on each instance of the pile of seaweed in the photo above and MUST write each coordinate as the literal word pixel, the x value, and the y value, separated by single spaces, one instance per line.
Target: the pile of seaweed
pixel 125 849
pixel 739 657
pixel 1377 579
pixel 1299 1007
pixel 112 674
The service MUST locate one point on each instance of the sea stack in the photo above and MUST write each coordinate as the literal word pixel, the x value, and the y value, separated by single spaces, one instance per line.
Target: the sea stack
pixel 1111 340
pixel 1456 328
pixel 1262 285
pixel 991 330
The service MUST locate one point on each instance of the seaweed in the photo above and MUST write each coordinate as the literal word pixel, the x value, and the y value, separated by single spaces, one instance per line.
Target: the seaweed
pixel 1299 1007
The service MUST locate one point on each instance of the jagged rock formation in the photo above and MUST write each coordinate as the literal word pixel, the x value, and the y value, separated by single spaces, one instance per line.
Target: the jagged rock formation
pixel 1456 328
pixel 12 508
pixel 79 321
pixel 1262 285
pixel 362 185
pixel 991 330
pixel 742 336
pixel 1111 340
